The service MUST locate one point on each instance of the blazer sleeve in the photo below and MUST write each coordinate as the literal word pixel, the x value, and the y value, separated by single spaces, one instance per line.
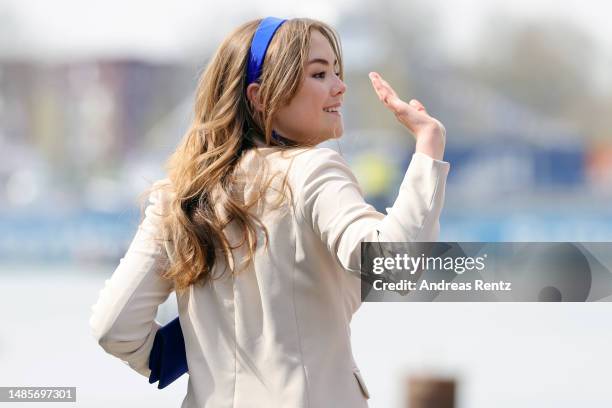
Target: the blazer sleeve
pixel 331 202
pixel 123 317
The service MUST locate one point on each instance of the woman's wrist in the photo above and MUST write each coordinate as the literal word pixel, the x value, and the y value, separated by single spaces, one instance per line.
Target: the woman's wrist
pixel 431 141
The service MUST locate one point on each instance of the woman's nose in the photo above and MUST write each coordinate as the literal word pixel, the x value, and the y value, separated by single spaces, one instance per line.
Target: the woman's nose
pixel 340 87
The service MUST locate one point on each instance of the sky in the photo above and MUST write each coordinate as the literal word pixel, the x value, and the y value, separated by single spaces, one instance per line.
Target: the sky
pixel 464 19
pixel 173 29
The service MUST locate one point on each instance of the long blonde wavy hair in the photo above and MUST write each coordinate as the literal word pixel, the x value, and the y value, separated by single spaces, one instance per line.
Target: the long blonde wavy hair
pixel 225 126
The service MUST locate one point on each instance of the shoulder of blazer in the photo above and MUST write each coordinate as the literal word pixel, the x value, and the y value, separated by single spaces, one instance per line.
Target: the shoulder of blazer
pixel 321 164
pixel 309 161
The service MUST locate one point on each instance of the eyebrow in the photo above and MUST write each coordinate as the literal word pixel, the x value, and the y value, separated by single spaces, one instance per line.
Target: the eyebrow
pixel 321 61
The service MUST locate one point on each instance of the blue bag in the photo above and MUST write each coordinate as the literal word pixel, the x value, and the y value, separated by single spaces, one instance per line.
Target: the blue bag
pixel 168 360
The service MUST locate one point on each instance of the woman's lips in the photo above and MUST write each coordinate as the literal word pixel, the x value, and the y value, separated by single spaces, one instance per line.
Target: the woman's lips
pixel 334 113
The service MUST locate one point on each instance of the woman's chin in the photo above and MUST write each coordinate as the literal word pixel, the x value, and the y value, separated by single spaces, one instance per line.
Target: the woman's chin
pixel 337 134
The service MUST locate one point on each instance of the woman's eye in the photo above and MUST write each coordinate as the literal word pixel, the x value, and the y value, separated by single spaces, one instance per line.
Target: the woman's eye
pixel 322 74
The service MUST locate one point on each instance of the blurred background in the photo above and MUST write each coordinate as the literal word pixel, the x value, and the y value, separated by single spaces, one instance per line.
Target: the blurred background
pixel 94 96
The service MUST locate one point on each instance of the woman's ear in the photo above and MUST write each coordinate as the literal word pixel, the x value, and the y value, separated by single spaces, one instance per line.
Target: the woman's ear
pixel 253 96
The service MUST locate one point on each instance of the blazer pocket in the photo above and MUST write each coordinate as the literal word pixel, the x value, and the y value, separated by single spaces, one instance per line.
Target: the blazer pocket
pixel 361 383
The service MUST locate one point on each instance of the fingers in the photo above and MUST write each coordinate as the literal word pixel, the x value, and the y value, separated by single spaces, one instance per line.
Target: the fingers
pixel 413 114
pixel 382 88
pixel 396 105
pixel 384 91
pixel 418 105
pixel 389 97
pixel 379 82
pixel 378 88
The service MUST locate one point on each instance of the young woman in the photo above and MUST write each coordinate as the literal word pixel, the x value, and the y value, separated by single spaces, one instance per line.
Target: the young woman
pixel 258 231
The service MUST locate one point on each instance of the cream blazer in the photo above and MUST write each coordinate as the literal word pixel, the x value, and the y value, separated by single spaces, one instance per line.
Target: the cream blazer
pixel 278 333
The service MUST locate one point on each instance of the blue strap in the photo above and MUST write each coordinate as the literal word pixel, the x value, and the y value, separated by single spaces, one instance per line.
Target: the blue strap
pixel 259 45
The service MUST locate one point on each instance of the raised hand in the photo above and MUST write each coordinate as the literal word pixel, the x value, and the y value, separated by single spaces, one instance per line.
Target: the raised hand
pixel 429 132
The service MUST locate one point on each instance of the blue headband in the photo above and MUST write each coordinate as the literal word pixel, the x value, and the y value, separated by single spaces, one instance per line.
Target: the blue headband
pixel 259 45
